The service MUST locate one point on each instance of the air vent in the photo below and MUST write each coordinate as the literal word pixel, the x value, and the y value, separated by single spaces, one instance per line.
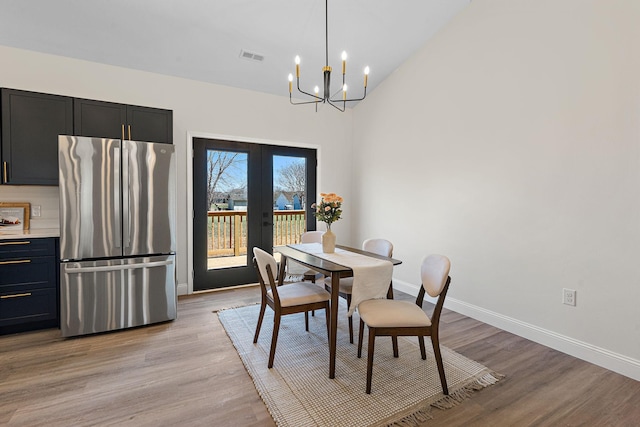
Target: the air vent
pixel 251 56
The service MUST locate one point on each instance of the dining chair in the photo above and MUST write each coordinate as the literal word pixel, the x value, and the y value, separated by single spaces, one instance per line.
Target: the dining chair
pixel 286 299
pixel 377 246
pixel 385 317
pixel 311 237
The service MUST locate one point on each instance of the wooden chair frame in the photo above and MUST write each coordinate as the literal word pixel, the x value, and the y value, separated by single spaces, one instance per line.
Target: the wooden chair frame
pixel 420 332
pixel 273 301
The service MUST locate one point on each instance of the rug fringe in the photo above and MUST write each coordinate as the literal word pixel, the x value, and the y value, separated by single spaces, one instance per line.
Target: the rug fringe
pixel 423 415
pixel 415 419
pixel 457 397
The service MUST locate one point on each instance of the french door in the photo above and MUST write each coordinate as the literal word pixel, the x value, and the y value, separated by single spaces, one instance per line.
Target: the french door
pixel 246 195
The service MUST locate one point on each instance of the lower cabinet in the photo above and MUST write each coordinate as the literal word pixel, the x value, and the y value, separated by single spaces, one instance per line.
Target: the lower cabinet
pixel 29 291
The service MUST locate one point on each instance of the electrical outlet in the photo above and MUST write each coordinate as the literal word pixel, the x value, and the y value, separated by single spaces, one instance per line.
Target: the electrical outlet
pixel 35 211
pixel 569 296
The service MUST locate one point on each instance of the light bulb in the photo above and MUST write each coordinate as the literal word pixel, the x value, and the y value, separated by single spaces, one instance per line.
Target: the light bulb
pixel 297 60
pixel 316 90
pixel 344 55
pixel 344 87
pixel 290 77
pixel 366 70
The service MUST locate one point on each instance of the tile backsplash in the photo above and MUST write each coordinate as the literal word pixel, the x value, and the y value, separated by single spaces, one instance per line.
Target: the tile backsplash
pixel 45 196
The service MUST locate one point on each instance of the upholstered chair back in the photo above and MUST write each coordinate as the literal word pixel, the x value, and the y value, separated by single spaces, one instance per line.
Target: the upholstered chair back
pixel 434 273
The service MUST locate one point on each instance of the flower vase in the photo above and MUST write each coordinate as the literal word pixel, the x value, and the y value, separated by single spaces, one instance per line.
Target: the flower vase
pixel 328 242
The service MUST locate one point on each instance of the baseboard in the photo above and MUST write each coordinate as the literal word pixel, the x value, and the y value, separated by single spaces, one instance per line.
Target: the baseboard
pixel 182 288
pixel 599 356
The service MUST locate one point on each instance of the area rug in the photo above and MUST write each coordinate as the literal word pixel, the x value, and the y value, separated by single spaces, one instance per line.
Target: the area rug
pixel 298 392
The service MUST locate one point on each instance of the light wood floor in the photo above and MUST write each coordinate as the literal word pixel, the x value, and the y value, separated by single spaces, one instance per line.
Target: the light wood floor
pixel 186 372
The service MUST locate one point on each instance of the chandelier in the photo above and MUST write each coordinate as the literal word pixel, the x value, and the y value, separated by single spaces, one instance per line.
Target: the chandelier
pixel 316 98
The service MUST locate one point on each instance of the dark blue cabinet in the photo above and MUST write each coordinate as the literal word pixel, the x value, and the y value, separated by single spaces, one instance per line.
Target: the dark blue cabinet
pixel 28 284
pixel 120 121
pixel 31 123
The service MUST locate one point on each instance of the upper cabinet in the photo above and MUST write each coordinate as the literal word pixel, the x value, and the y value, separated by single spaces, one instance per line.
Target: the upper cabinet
pixel 31 123
pixel 112 120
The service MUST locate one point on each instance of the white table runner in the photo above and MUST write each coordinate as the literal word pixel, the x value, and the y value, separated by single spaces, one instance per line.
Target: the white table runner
pixel 371 276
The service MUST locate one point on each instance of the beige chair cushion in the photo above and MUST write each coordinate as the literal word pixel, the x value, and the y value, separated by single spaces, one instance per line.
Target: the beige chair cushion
pixel 386 313
pixel 300 293
pixel 346 284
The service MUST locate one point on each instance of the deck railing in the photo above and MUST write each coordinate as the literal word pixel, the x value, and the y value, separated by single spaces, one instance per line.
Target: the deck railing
pixel 227 230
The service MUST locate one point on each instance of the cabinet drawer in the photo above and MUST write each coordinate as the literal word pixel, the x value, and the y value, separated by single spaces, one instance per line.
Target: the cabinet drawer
pixel 27 248
pixel 27 273
pixel 28 306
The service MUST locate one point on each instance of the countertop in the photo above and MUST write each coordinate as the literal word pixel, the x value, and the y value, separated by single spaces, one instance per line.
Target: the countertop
pixel 25 234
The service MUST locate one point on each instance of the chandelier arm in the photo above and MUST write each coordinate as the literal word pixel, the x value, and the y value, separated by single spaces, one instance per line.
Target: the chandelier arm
pixel 304 102
pixel 335 106
pixel 348 100
pixel 351 99
pixel 307 93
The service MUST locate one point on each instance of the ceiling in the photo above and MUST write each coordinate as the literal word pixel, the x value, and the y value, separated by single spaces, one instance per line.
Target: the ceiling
pixel 203 39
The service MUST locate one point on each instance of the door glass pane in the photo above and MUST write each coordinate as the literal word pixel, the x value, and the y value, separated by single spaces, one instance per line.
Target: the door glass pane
pixel 289 199
pixel 227 209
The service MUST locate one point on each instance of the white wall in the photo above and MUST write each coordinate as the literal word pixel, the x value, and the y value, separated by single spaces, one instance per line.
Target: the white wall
pixel 198 109
pixel 510 143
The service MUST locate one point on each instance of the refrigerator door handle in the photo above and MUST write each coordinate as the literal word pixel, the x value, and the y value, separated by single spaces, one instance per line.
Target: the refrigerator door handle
pixel 116 196
pixel 126 211
pixel 78 270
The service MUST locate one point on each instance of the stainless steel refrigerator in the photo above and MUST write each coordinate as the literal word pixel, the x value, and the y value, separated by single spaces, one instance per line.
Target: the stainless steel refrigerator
pixel 117 234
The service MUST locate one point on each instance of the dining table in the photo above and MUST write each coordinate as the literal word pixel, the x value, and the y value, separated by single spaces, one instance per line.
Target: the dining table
pixel 333 270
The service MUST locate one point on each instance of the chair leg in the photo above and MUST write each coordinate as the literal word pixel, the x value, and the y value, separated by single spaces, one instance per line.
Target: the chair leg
pixel 274 339
pixel 327 314
pixel 372 341
pixel 306 321
pixel 360 334
pixel 423 352
pixel 438 356
pixel 394 342
pixel 313 280
pixel 260 317
pixel 350 319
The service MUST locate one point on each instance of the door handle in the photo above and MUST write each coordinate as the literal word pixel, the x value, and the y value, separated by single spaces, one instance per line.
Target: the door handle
pixel 266 223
